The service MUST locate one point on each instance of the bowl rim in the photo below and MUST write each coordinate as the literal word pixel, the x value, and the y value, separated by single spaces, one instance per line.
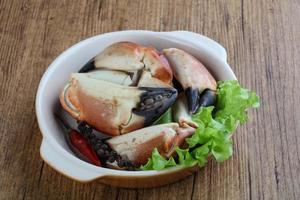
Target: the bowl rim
pixel 101 171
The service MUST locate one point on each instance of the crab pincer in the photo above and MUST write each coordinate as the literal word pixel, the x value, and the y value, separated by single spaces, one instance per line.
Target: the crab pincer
pixel 133 59
pixel 198 84
pixel 112 108
pixel 138 145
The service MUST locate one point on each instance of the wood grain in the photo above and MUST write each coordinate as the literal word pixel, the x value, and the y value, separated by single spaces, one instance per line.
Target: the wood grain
pixel 263 42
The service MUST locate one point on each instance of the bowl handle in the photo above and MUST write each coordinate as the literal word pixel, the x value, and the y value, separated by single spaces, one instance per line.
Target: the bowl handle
pixel 215 47
pixel 66 166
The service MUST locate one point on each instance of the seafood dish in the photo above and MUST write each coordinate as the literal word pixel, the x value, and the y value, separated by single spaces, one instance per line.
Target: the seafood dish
pixel 156 109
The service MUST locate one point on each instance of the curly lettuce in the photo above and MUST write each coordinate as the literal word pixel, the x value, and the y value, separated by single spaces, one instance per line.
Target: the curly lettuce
pixel 216 125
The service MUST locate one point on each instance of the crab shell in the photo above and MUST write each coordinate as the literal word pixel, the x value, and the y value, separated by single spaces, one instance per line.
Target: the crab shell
pixel 137 146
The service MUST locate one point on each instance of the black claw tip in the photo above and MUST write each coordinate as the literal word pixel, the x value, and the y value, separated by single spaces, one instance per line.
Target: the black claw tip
pixel 177 85
pixel 207 98
pixel 192 99
pixel 88 67
pixel 154 102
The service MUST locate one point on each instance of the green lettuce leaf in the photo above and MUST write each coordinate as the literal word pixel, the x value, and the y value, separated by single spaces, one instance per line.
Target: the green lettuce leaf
pixel 216 125
pixel 201 153
pixel 165 118
pixel 157 162
pixel 233 101
pixel 185 158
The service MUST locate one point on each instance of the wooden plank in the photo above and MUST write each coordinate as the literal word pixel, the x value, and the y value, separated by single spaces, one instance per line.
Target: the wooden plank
pixel 263 42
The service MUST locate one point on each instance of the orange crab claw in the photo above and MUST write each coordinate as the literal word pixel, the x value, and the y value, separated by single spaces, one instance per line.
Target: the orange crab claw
pixel 113 108
pixel 132 58
pixel 199 85
pixel 137 146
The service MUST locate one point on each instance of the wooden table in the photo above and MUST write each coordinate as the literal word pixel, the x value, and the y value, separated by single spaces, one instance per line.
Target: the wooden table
pixel 263 42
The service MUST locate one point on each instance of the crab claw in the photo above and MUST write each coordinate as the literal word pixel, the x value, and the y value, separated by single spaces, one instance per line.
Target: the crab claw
pixel 112 107
pixel 137 146
pixel 198 84
pixel 131 57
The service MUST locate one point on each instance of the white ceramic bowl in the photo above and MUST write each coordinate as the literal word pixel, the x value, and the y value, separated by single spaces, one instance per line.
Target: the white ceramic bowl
pixel 55 151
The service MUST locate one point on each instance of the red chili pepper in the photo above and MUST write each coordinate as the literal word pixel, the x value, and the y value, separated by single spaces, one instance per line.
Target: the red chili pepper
pixel 79 142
